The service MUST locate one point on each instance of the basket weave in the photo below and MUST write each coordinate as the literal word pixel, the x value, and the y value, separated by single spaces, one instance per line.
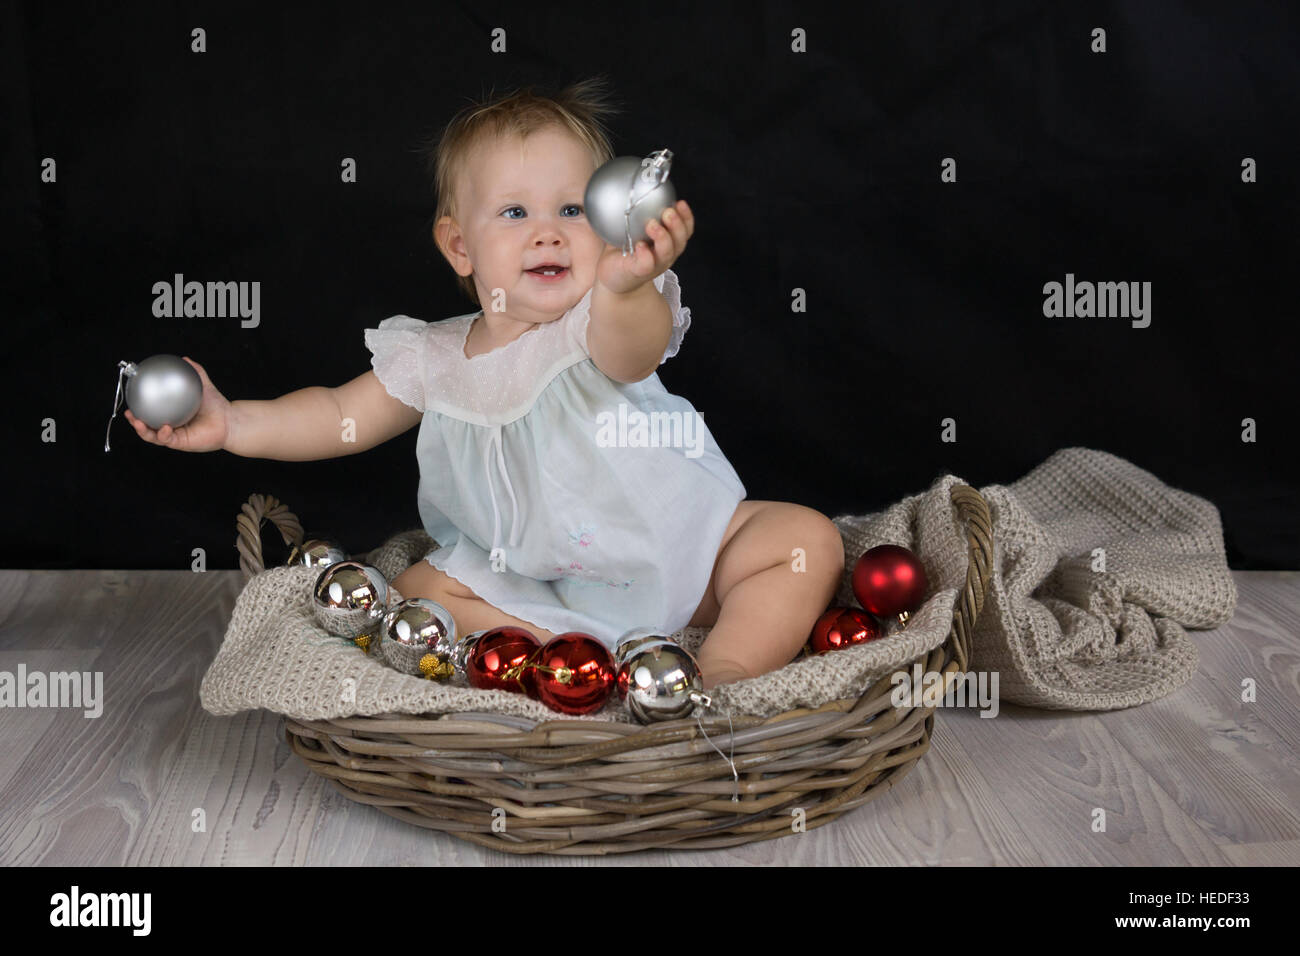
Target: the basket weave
pixel 591 788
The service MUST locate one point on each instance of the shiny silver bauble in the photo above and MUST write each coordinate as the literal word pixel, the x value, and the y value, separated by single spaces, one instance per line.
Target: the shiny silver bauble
pixel 625 194
pixel 629 641
pixel 660 680
pixel 460 656
pixel 414 629
pixel 350 599
pixel 317 553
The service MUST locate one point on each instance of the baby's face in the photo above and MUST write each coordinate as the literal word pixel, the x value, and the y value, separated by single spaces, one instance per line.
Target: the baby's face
pixel 521 205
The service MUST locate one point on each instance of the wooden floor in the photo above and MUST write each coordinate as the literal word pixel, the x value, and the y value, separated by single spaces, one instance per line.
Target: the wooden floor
pixel 1198 778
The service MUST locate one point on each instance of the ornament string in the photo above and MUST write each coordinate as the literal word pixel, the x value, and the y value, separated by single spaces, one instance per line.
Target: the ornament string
pixel 735 776
pixel 124 369
pixel 516 672
pixel 654 170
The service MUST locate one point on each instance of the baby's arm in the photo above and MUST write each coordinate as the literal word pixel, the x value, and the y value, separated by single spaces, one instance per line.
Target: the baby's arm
pixel 628 332
pixel 318 422
pixel 631 322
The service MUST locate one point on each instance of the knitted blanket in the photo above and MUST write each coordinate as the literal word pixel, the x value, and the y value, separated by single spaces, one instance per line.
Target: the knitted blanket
pixel 1098 569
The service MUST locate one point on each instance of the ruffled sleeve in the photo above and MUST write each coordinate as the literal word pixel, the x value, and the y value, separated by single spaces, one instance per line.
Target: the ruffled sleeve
pixel 666 282
pixel 397 356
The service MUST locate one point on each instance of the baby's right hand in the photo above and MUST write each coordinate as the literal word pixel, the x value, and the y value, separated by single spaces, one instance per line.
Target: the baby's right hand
pixel 208 430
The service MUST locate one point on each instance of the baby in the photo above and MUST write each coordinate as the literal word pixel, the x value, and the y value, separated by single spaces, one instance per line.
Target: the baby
pixel 546 516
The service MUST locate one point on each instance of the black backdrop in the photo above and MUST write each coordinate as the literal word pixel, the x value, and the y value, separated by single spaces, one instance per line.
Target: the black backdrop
pixel 816 170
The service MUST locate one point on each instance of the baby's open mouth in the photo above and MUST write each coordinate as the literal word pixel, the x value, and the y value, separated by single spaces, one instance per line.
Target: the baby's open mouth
pixel 550 271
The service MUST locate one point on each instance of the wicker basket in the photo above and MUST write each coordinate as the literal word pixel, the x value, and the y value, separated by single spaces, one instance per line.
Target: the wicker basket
pixel 583 787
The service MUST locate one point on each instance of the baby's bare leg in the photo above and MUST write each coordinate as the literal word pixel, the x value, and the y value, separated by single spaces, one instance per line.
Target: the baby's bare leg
pixel 470 612
pixel 773 579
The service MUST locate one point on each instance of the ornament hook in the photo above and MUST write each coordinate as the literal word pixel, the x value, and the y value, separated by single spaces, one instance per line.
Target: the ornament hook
pixel 655 167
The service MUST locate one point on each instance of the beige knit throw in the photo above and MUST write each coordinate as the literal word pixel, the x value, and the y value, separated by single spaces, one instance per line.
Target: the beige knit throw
pixel 1060 632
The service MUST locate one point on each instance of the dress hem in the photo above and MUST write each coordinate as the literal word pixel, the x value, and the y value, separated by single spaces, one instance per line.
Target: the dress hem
pixel 504 606
pixel 504 610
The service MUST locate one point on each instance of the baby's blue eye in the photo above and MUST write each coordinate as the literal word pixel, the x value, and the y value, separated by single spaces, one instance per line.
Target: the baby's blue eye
pixel 572 205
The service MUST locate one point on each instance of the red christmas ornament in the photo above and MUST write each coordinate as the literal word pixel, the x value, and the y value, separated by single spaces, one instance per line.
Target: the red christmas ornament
pixel 843 627
pixel 498 661
pixel 574 673
pixel 889 581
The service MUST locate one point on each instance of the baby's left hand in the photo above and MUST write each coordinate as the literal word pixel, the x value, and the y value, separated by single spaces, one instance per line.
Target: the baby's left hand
pixel 620 273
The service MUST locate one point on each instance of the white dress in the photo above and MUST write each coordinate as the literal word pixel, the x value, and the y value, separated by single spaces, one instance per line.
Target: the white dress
pixel 560 496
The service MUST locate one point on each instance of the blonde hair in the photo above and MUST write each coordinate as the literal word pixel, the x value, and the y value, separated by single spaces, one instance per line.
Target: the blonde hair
pixel 577 109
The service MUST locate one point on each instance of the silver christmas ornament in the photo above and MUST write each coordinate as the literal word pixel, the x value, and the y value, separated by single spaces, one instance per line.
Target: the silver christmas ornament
pixel 317 552
pixel 161 390
pixel 413 630
pixel 460 655
pixel 660 680
pixel 629 641
pixel 350 599
pixel 625 194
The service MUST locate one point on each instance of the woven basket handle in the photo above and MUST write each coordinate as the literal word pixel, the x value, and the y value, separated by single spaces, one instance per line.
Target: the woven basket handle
pixel 248 525
pixel 973 511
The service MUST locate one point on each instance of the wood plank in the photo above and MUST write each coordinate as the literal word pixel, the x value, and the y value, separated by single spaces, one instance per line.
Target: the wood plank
pixel 1285 853
pixel 943 811
pixel 83 792
pixel 71 610
pixel 1054 768
pixel 1264 645
pixel 1224 775
pixel 21 728
pixel 260 803
pixel 1218 757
